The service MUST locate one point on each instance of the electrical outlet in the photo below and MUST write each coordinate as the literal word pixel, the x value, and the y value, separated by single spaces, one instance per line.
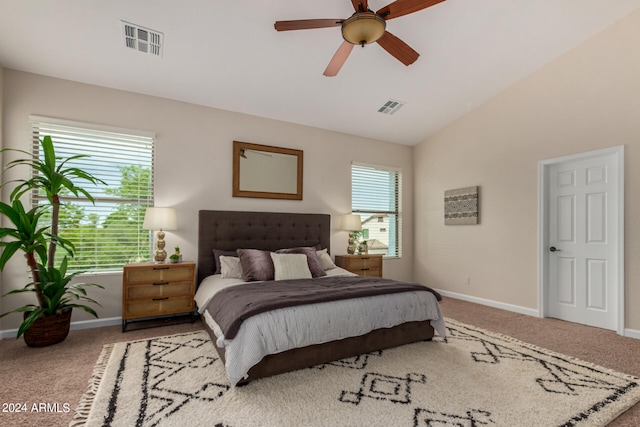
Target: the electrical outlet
pixel 467 280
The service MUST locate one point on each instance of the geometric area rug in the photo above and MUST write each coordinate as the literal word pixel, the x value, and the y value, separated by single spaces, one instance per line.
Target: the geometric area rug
pixel 473 378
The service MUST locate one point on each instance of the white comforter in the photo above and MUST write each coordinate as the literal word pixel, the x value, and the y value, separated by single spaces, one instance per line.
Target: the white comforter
pixel 292 327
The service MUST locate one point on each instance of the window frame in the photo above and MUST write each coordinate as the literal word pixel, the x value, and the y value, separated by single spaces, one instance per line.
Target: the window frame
pixel 137 141
pixel 397 210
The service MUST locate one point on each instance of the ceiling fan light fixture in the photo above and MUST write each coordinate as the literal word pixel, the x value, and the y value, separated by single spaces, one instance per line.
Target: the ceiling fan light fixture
pixel 363 28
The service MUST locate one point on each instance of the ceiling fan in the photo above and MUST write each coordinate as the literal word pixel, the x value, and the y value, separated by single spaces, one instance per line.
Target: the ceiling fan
pixel 364 27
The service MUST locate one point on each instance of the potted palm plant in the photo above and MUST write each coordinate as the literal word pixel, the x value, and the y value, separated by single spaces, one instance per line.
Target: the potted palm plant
pixel 46 322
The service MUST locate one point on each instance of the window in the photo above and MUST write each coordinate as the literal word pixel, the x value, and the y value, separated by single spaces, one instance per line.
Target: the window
pixel 109 234
pixel 376 197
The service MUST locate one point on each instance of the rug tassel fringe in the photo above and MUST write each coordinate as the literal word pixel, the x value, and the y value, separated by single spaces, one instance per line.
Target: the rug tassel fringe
pixel 86 402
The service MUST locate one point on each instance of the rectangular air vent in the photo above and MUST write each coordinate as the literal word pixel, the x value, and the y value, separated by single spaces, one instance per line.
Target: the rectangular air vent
pixel 390 107
pixel 142 39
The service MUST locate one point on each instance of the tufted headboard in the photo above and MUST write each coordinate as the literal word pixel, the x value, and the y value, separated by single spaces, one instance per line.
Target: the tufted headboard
pixel 231 230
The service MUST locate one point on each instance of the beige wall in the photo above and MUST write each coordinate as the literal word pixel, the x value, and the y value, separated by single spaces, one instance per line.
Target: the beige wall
pixel 193 163
pixel 586 100
pixel 1 159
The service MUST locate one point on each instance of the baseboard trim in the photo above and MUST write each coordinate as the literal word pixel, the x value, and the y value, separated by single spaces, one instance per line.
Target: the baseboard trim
pixel 495 304
pixel 632 333
pixel 96 323
pixel 82 324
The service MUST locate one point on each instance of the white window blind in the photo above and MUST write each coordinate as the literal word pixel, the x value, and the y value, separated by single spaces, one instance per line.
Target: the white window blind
pixel 376 197
pixel 108 234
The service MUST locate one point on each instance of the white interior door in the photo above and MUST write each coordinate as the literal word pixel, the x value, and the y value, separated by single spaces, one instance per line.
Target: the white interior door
pixel 582 248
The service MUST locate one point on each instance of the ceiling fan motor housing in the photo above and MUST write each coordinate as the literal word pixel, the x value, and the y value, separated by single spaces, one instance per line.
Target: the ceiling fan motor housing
pixel 363 28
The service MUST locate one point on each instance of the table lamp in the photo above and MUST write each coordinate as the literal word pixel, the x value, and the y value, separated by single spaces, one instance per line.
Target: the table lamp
pixel 160 219
pixel 351 223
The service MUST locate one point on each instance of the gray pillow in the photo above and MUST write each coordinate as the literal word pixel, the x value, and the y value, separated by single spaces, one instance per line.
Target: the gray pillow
pixel 217 253
pixel 257 265
pixel 312 259
pixel 325 260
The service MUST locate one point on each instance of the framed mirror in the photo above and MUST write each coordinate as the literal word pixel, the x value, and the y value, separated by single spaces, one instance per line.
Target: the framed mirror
pixel 267 172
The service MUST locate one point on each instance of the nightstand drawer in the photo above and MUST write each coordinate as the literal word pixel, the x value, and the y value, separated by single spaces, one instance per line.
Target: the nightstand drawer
pixel 364 263
pixel 158 306
pixel 159 274
pixel 159 289
pixel 371 272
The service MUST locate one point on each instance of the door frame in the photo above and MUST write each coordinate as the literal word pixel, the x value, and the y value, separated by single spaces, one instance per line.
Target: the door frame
pixel 543 229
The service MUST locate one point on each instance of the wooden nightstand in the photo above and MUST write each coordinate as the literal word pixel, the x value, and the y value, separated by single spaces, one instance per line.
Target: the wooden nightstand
pixel 154 290
pixel 364 265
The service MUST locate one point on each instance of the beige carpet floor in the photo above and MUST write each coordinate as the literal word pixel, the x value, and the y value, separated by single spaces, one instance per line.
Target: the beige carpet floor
pixel 59 374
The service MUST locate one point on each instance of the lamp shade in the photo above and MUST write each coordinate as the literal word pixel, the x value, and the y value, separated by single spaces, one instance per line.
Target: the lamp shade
pixel 352 222
pixel 160 219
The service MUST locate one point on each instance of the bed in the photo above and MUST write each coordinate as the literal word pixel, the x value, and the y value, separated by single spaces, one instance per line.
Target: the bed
pixel 248 355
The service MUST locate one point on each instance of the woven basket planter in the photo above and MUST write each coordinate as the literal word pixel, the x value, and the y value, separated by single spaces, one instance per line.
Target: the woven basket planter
pixel 48 330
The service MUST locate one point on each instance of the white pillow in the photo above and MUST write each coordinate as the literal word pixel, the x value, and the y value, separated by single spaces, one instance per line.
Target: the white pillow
pixel 230 267
pixel 325 260
pixel 290 266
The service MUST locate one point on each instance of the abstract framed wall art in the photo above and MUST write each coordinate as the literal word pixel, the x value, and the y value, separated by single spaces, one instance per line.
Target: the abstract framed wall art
pixel 461 206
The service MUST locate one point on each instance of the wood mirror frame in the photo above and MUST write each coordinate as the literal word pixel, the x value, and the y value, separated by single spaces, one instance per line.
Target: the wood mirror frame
pixel 267 166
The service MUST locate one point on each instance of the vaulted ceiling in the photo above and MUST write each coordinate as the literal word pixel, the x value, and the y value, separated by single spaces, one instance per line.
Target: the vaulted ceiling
pixel 226 54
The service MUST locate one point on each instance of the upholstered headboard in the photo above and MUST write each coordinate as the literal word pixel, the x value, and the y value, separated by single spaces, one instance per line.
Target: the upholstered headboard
pixel 231 230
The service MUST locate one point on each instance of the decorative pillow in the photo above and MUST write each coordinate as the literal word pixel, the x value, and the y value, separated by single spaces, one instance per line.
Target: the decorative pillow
pixel 290 266
pixel 230 267
pixel 256 265
pixel 312 259
pixel 325 260
pixel 217 253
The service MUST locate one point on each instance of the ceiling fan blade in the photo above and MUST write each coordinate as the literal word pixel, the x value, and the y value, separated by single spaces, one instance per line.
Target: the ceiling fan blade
pixel 405 7
pixel 307 24
pixel 360 5
pixel 399 49
pixel 338 59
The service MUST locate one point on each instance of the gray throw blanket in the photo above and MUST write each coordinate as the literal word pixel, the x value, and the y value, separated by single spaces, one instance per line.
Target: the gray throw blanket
pixel 231 306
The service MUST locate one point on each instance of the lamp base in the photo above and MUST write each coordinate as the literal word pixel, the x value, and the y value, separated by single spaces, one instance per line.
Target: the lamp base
pixel 160 255
pixel 351 249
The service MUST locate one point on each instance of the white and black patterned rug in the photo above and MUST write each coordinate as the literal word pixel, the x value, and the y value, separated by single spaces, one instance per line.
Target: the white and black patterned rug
pixel 476 378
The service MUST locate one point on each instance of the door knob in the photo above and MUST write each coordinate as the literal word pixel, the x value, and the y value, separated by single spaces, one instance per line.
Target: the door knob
pixel 553 249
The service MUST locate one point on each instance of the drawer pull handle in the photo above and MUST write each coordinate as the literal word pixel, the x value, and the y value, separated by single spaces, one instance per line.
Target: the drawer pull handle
pixel 160 283
pixel 364 269
pixel 161 268
pixel 160 299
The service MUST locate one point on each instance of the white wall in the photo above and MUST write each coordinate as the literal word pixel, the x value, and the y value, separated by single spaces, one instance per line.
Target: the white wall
pixel 586 100
pixel 193 164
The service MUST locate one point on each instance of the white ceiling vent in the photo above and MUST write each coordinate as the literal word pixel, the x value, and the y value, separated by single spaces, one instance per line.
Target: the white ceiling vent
pixel 142 39
pixel 390 107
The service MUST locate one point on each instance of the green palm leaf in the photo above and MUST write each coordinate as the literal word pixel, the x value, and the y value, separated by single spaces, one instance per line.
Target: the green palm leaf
pixel 51 176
